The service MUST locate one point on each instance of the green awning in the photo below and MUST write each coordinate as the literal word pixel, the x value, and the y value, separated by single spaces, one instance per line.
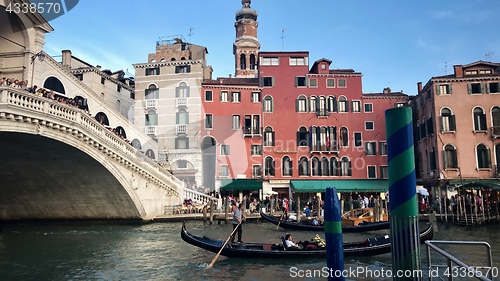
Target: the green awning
pixel 241 184
pixel 375 185
pixel 476 183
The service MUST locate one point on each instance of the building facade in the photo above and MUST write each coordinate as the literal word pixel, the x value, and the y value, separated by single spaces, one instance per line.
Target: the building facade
pixel 457 128
pixel 168 104
pixel 318 126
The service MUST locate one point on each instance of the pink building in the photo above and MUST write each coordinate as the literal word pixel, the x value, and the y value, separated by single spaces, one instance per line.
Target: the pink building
pixel 457 129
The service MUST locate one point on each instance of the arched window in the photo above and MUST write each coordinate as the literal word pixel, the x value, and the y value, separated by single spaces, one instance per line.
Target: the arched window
pixel 447 120
pixel 269 166
pixel 302 137
pixel 344 137
pixel 313 104
pixel 304 166
pixel 331 104
pixel 479 119
pixel 343 106
pixel 287 166
pixel 325 171
pixel 316 169
pixel 252 61
pixel 152 92
pixel 301 104
pixel 243 61
pixel 345 167
pixel 150 154
pixel 322 107
pixel 182 117
pixel 267 104
pixel 450 157
pixel 121 132
pixel 268 137
pixel 495 120
pixel 102 118
pixel 483 157
pixel 136 144
pixel 182 91
pixel 54 84
pixel 334 167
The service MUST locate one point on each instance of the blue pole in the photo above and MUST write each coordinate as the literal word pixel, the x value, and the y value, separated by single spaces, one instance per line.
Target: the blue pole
pixel 333 235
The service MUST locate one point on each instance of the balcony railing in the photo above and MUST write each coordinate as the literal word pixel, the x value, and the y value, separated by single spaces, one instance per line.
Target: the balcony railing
pixel 150 130
pixel 181 129
pixel 495 131
pixel 322 113
pixel 252 131
pixel 181 102
pixel 151 104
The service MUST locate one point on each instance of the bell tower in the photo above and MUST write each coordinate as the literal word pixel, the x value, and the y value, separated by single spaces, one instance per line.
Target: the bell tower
pixel 246 46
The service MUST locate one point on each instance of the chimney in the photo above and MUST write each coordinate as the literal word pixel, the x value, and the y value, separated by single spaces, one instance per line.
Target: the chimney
pixel 98 67
pixel 387 90
pixel 459 71
pixel 419 87
pixel 66 58
pixel 230 75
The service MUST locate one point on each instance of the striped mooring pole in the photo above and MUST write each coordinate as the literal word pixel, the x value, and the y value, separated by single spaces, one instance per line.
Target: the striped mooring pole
pixel 403 195
pixel 333 235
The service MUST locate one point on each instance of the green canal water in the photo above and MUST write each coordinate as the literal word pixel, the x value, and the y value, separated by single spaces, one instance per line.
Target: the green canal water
pixel 156 251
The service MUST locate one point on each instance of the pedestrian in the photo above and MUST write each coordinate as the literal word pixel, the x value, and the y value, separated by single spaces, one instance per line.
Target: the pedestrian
pixel 237 220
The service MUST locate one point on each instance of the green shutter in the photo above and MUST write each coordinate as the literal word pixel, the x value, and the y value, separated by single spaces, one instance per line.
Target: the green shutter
pixel 176 144
pixel 469 89
pixel 452 123
pixel 450 89
pixel 438 90
pixel 177 118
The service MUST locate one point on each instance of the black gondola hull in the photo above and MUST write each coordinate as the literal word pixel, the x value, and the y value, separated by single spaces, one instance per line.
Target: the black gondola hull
pixel 265 250
pixel 369 226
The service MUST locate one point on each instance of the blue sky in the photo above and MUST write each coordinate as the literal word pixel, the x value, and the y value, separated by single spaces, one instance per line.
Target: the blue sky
pixel 393 43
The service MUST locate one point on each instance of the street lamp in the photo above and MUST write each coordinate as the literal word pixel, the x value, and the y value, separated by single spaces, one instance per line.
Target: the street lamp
pixel 41 57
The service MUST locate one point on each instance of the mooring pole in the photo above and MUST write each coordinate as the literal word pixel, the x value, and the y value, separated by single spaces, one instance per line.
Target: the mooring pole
pixel 333 235
pixel 402 190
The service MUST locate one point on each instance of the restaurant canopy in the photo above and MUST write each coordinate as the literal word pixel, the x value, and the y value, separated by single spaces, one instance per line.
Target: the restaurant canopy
pixel 241 184
pixel 369 185
pixel 491 184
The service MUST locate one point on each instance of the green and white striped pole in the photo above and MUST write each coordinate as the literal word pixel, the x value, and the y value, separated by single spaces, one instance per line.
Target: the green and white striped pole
pixel 402 192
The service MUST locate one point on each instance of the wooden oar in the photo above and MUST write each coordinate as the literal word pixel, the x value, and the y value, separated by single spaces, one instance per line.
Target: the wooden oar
pixel 280 221
pixel 224 245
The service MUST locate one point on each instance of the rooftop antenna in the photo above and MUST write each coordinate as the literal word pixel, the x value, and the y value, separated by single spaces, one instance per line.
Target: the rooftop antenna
pixel 282 38
pixel 488 56
pixel 446 67
pixel 190 33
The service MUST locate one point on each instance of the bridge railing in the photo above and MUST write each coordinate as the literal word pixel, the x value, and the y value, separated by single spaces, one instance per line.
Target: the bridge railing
pixel 65 115
pixel 197 196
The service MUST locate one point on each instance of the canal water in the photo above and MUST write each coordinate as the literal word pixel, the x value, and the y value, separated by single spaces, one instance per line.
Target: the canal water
pixel 155 251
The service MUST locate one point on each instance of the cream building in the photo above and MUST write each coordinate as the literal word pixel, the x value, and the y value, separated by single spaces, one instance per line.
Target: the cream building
pixel 168 104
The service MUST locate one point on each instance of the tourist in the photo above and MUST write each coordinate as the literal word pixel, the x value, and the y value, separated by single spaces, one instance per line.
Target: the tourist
pixel 289 244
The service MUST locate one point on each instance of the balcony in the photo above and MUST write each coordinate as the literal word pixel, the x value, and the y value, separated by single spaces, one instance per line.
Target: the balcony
pixel 181 129
pixel 150 130
pixel 322 113
pixel 151 104
pixel 252 132
pixel 181 102
pixel 495 132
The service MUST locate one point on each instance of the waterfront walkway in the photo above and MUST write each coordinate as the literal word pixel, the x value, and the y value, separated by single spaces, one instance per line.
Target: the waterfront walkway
pixel 218 217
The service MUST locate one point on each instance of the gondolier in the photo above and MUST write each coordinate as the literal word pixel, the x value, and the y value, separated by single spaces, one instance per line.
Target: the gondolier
pixel 237 219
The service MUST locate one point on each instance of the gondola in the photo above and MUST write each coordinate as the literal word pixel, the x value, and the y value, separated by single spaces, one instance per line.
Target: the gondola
pixel 368 247
pixel 365 226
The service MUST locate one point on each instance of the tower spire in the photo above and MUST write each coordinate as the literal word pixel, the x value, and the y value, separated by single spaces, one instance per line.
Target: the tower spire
pixel 246 46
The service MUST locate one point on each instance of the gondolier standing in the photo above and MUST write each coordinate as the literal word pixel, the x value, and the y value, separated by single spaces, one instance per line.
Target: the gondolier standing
pixel 237 219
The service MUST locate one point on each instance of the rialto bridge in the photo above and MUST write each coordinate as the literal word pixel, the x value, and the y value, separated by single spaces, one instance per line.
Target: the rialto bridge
pixel 56 160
